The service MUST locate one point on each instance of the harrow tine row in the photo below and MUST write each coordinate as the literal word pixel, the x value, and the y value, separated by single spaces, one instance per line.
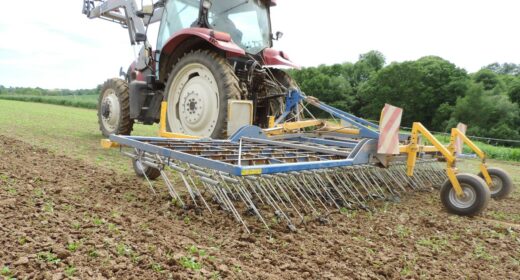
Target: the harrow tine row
pixel 294 197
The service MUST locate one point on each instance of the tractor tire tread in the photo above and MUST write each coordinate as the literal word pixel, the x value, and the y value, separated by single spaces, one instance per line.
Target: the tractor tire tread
pixel 126 124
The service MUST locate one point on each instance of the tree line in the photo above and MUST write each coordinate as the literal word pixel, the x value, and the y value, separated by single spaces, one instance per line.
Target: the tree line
pixel 431 90
pixel 26 91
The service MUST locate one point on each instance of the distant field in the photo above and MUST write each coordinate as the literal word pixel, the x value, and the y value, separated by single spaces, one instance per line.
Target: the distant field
pixel 65 130
pixel 80 101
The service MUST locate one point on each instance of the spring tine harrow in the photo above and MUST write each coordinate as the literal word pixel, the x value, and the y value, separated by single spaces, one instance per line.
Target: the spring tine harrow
pixel 295 197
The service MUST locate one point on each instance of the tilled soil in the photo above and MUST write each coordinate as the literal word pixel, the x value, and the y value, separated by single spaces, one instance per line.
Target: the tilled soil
pixel 61 217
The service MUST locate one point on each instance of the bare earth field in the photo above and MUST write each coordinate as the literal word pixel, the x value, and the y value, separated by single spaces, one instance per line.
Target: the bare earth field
pixel 67 217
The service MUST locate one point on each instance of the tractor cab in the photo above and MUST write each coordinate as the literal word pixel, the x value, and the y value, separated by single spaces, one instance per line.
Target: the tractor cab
pixel 246 21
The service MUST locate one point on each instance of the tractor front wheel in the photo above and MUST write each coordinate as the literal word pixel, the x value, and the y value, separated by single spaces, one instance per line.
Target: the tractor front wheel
pixel 502 183
pixel 475 196
pixel 114 108
pixel 198 89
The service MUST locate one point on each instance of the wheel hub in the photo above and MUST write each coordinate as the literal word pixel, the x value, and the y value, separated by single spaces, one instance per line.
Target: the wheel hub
pixel 110 110
pixel 105 109
pixel 193 107
pixel 496 185
pixel 466 200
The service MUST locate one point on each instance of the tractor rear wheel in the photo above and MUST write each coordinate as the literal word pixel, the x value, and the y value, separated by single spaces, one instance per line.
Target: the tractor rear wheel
pixel 197 91
pixel 502 183
pixel 114 108
pixel 473 202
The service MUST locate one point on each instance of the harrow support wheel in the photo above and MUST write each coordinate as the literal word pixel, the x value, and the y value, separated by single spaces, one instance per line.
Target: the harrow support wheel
pixel 473 202
pixel 140 170
pixel 502 183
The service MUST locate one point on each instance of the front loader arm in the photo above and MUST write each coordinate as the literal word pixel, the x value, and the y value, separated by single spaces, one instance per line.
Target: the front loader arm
pixel 126 13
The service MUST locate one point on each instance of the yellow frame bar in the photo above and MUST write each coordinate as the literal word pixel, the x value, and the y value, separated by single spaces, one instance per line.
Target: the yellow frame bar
pixel 290 126
pixel 162 126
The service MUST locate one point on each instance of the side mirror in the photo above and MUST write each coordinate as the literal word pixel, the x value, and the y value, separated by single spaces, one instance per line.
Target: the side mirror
pixel 278 36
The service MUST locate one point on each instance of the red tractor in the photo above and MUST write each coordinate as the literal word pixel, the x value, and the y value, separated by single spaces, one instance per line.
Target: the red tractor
pixel 213 64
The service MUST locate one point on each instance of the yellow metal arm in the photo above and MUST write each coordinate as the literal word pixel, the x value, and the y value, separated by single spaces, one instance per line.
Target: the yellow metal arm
pixel 413 148
pixel 162 126
pixel 448 152
pixel 456 133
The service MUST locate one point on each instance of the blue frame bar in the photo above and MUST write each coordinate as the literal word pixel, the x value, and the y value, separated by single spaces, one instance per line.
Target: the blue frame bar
pixel 137 142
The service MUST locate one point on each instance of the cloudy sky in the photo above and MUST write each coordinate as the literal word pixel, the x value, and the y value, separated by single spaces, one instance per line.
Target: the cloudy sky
pixel 50 44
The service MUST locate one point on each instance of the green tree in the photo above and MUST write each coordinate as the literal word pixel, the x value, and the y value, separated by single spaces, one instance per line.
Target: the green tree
pixel 514 91
pixel 487 78
pixel 419 87
pixel 486 114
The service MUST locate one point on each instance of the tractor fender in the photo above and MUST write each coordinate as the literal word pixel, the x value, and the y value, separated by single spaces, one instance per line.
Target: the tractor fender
pixel 191 39
pixel 275 58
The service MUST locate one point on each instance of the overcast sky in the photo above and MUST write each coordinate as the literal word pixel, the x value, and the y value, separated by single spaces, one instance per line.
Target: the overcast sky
pixel 50 44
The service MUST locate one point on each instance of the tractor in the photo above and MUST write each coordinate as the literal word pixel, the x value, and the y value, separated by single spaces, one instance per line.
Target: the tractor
pixel 213 64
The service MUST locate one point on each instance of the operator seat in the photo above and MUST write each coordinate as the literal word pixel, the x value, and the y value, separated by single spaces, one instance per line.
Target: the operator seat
pixel 224 24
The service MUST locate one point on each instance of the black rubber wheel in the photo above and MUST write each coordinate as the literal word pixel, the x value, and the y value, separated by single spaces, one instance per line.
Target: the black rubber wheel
pixel 502 183
pixel 114 108
pixel 476 195
pixel 198 89
pixel 140 170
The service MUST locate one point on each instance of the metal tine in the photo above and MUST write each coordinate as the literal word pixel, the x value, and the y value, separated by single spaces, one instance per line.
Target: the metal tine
pixel 420 176
pixel 315 177
pixel 281 184
pixel 305 190
pixel 367 172
pixel 294 184
pixel 288 198
pixel 274 194
pixel 272 190
pixel 426 172
pixel 306 185
pixel 336 188
pixel 247 197
pixel 345 177
pixel 243 196
pixel 307 181
pixel 278 210
pixel 225 199
pixel 380 176
pixel 171 189
pixel 199 194
pixel 394 179
pixel 257 195
pixel 344 182
pixel 139 156
pixel 400 170
pixel 362 183
pixel 169 185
